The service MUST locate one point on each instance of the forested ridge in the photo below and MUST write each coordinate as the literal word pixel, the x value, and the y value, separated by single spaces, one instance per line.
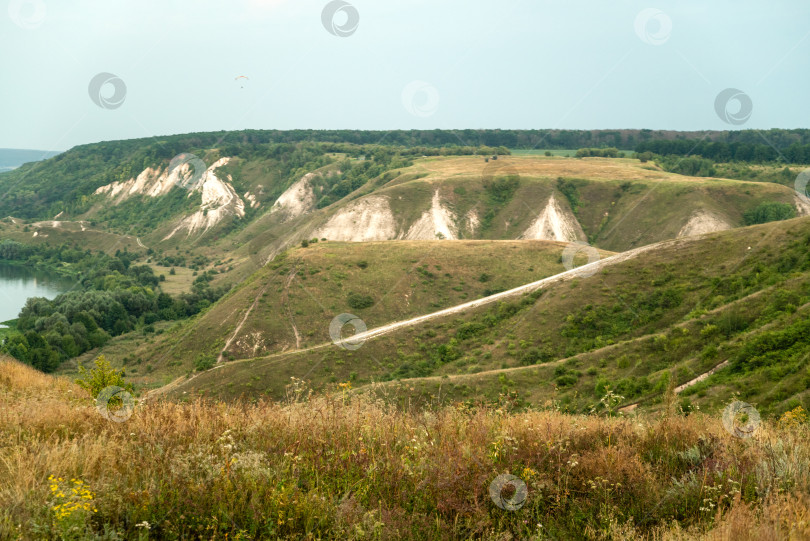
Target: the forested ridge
pixel 66 182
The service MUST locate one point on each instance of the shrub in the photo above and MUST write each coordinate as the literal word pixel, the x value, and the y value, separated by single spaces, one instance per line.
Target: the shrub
pixel 571 192
pixel 566 380
pixel 100 377
pixel 731 322
pixel 204 362
pixel 536 355
pixel 470 329
pixel 769 211
pixel 501 189
pixel 359 301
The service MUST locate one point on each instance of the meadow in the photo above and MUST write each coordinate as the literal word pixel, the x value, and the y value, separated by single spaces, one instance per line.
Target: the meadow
pixel 337 466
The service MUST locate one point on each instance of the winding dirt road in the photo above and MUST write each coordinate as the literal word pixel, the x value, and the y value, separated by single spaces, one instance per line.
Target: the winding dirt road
pixel 584 270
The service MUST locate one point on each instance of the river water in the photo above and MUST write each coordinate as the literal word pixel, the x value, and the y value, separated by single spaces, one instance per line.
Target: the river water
pixel 18 282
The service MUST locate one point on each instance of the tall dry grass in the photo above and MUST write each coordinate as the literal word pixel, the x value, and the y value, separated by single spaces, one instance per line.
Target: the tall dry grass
pixel 336 467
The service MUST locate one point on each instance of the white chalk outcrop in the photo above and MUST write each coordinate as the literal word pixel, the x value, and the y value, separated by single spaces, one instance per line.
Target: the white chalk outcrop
pixel 702 222
pixel 297 200
pixel 152 182
pixel 219 199
pixel 554 223
pixel 436 223
pixel 363 220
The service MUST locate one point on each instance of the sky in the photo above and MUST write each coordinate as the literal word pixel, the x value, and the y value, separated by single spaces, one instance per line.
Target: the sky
pixel 82 71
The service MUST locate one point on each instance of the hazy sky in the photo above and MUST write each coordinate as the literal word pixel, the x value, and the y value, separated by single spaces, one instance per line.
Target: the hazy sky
pixel 407 64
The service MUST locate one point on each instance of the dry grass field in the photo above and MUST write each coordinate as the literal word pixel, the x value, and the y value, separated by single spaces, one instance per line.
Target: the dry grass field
pixel 627 169
pixel 337 467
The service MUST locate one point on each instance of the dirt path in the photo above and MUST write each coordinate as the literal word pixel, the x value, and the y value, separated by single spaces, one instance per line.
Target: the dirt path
pixel 138 240
pixel 185 379
pixel 391 327
pixel 285 301
pixel 700 378
pixel 680 388
pixel 516 292
pixel 241 323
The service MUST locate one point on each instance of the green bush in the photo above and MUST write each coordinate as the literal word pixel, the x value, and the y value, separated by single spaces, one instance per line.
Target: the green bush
pixel 569 189
pixel 536 355
pixel 359 301
pixel 102 376
pixel 470 329
pixel 769 211
pixel 566 380
pixel 204 362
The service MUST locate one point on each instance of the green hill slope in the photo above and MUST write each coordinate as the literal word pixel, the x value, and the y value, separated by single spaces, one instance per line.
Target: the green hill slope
pixel 290 303
pixel 668 315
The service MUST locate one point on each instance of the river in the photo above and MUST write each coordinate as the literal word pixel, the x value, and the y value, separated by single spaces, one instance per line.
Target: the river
pixel 18 283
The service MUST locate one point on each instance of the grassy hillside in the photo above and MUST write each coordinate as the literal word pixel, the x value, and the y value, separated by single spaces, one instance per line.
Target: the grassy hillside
pixel 394 193
pixel 661 318
pixel 290 303
pixel 56 232
pixel 338 467
pixel 620 203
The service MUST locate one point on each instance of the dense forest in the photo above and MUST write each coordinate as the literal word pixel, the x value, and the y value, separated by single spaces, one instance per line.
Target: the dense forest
pixel 110 297
pixel 762 151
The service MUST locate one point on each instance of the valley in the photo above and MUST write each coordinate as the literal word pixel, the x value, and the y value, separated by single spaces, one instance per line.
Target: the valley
pixel 388 237
pixel 417 271
pixel 403 283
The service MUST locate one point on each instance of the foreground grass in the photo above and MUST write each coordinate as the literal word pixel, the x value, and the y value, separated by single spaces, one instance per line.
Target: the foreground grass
pixel 330 468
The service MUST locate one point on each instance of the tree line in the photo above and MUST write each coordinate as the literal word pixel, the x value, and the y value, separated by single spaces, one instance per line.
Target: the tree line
pixel 721 151
pixel 111 297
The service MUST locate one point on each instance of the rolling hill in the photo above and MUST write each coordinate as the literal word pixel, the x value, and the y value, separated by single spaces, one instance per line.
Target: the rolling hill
pixel 305 230
pixel 661 318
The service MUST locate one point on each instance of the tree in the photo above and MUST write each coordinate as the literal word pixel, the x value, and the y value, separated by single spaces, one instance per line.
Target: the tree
pixel 769 211
pixel 102 376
